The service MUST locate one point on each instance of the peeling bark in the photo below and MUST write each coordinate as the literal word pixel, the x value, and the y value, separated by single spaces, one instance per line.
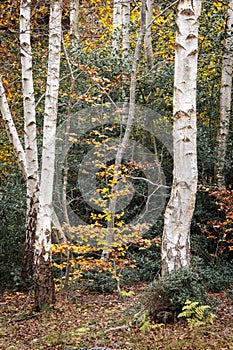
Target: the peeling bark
pixel 179 211
pixel 43 272
pixel 44 281
pixel 30 138
pixel 117 21
pixel 37 254
pixel 121 23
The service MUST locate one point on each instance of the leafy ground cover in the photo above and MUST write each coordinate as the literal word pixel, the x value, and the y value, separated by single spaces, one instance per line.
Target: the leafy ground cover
pixel 103 321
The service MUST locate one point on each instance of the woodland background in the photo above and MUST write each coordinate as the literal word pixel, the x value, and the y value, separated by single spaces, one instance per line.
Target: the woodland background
pixel 98 76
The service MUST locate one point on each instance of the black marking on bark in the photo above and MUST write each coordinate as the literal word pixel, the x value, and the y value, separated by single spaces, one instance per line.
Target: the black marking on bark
pixel 192 53
pixel 191 36
pixel 179 47
pixel 187 12
pixel 180 114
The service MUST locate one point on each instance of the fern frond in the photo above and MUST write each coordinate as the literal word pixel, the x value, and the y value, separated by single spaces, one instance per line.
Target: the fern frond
pixel 196 315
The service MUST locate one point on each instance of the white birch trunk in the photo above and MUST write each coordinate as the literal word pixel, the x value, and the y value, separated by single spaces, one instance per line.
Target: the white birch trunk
pixel 19 150
pixel 179 211
pixel 28 160
pixel 121 23
pixel 148 40
pixel 125 41
pixel 225 99
pixel 11 130
pixel 117 23
pixel 74 28
pixel 43 276
pixel 125 28
pixel 30 138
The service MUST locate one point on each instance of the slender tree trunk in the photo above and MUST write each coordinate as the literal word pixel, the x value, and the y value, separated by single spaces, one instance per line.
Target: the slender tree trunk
pixel 121 23
pixel 148 40
pixel 74 28
pixel 225 100
pixel 179 211
pixel 11 130
pixel 125 28
pixel 30 139
pixel 43 274
pixel 117 23
pixel 130 120
pixel 20 153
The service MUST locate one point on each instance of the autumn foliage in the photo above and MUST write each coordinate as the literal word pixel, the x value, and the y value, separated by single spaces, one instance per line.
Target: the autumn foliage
pixel 221 232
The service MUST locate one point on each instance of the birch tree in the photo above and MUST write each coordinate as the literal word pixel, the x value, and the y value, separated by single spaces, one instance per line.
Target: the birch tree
pixel 43 270
pixel 148 40
pixel 225 99
pixel 125 28
pixel 30 140
pixel 179 210
pixel 121 23
pixel 39 201
pixel 74 28
pixel 117 21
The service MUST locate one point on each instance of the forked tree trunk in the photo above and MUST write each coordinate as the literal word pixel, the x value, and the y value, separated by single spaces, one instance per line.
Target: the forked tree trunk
pixel 43 271
pixel 28 162
pixel 225 100
pixel 179 211
pixel 30 138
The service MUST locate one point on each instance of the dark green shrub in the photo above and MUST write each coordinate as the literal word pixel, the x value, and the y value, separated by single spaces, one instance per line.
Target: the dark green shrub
pixel 146 261
pixel 229 294
pixel 216 275
pixel 95 281
pixel 12 229
pixel 165 297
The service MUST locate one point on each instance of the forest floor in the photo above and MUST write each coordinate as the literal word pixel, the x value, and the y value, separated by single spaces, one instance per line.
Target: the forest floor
pixel 102 321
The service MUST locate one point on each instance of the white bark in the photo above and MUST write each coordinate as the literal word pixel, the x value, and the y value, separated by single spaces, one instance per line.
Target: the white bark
pixel 148 40
pixel 125 28
pixel 30 138
pixel 28 160
pixel 225 99
pixel 28 96
pixel 43 274
pixel 74 28
pixel 19 150
pixel 133 83
pixel 117 22
pixel 11 130
pixel 179 211
pixel 49 132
